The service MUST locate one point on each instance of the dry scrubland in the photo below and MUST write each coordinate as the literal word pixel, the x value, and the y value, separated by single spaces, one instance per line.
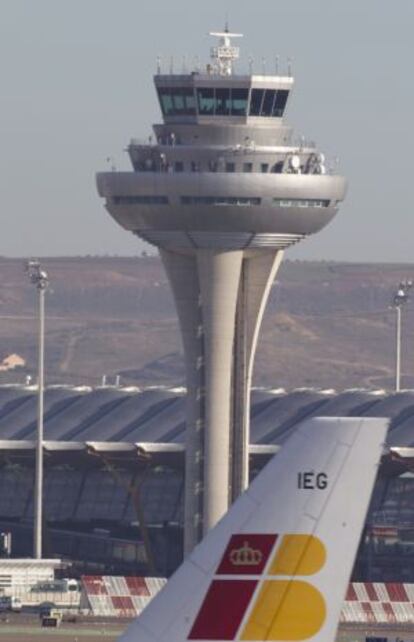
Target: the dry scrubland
pixel 326 324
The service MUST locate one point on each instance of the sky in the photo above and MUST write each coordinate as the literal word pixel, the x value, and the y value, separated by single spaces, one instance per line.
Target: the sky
pixel 76 86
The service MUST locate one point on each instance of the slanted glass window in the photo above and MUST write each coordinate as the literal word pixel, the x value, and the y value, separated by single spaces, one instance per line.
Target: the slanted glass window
pixel 205 96
pixel 222 102
pixel 177 101
pixel 280 102
pixel 183 99
pixel 267 107
pixel 277 167
pixel 256 102
pixel 190 103
pixel 239 99
pixel 166 101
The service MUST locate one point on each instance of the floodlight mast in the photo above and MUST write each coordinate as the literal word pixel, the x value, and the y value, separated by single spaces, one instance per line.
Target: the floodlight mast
pixel 399 300
pixel 40 279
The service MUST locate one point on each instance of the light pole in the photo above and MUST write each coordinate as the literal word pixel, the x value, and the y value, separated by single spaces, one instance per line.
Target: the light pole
pixel 400 298
pixel 39 278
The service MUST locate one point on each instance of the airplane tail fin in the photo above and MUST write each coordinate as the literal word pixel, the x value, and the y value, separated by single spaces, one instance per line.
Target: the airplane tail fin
pixel 276 567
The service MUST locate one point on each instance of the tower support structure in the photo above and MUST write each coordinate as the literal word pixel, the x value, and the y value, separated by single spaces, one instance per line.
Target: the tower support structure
pixel 220 298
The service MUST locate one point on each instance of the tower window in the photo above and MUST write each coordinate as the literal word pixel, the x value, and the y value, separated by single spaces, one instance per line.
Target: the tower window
pixel 280 102
pixel 239 102
pixel 221 200
pixel 300 202
pixel 222 102
pixel 256 102
pixel 277 167
pixel 267 106
pixel 166 101
pixel 268 102
pixel 177 101
pixel 140 200
pixel 206 101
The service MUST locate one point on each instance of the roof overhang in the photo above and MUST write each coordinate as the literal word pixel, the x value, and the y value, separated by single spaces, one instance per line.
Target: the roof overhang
pixel 77 454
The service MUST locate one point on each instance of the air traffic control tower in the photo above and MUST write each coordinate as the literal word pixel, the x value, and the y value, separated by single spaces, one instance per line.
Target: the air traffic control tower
pixel 222 191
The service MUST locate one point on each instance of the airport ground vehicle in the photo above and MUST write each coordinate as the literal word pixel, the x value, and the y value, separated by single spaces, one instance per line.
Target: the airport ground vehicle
pixel 10 603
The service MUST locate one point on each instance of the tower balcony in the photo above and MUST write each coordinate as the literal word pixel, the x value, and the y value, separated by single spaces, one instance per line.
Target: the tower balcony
pixel 167 209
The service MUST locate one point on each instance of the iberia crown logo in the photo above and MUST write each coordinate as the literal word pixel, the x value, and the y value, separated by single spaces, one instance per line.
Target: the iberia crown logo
pixel 245 555
pixel 282 604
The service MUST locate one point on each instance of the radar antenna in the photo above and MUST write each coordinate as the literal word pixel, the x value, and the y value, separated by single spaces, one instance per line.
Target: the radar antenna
pixel 225 54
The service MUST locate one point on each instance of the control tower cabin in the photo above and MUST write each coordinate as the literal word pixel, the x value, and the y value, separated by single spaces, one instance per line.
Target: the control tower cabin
pixel 222 191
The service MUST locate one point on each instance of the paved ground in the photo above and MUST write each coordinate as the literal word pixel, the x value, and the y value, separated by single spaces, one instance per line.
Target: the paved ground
pixel 86 633
pixel 26 628
pixel 12 634
pixel 358 633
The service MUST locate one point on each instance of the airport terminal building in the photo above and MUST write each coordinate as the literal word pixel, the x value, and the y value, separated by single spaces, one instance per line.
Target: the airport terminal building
pixel 114 473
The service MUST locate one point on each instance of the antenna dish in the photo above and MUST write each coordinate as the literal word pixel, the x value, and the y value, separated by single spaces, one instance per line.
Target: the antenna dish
pixel 295 162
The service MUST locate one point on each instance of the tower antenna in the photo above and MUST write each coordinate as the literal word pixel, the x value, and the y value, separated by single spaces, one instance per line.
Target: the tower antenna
pixel 225 54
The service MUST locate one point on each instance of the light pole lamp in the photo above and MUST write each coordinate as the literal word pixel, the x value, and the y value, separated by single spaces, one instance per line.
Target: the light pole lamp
pixel 40 279
pixel 400 299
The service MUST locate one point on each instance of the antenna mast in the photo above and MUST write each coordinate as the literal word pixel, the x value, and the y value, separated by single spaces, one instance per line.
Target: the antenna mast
pixel 225 54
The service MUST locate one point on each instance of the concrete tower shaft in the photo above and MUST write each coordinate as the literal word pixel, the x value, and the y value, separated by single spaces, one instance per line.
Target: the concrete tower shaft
pixel 221 191
pixel 220 298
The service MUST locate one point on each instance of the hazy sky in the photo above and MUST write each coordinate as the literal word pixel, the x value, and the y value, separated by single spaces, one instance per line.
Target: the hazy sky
pixel 76 85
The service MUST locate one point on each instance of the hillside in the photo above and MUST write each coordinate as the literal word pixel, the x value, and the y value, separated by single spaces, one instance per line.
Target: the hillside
pixel 326 324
